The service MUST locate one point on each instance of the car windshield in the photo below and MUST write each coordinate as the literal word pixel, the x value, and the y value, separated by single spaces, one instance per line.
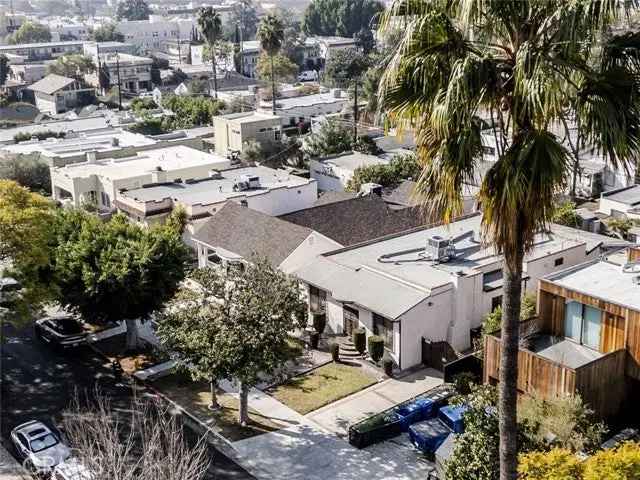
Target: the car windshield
pixel 44 442
pixel 67 326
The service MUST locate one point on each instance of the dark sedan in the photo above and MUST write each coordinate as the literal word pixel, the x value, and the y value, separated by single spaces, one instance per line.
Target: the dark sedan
pixel 64 331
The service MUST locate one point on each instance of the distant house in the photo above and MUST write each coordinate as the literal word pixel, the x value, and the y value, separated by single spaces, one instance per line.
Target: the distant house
pixel 622 202
pixel 235 129
pixel 236 233
pixel 432 283
pixel 333 173
pixel 56 94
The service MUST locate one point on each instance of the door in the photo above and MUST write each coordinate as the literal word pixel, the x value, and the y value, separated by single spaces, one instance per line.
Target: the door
pixel 350 319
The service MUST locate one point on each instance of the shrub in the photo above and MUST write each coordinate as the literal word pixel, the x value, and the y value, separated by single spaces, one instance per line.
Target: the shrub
pixel 41 135
pixel 319 321
pixel 464 382
pixel 334 348
pixel 314 339
pixel 387 365
pixel 376 347
pixel 359 338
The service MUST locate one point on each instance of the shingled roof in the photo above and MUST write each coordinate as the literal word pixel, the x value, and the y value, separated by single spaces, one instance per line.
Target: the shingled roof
pixel 357 220
pixel 247 232
pixel 51 84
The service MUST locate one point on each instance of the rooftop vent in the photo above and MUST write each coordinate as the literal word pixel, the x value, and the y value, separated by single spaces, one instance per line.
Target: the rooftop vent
pixel 252 180
pixel 215 174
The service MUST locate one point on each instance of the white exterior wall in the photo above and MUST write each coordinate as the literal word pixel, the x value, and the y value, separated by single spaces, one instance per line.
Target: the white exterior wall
pixel 314 245
pixel 329 178
pixel 607 205
pixel 538 268
pixel 305 113
pixel 149 35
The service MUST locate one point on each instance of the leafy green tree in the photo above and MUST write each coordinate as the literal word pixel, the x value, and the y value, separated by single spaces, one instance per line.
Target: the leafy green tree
pixel 460 59
pixel 30 171
pixel 133 10
pixel 238 327
pixel 271 36
pixel 279 65
pixel 330 139
pixel 72 65
pixel 107 33
pixel 30 32
pixel 401 167
pixel 343 18
pixel 621 226
pixel 244 15
pixel 565 214
pixel 142 104
pixel 210 25
pixel 4 69
pixel 345 66
pixel 115 270
pixel 190 112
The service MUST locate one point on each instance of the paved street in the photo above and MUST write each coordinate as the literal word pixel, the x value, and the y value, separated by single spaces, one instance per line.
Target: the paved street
pixel 38 383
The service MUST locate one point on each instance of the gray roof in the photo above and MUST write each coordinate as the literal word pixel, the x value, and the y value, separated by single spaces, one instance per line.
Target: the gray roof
pixel 628 195
pixel 246 232
pixel 402 194
pixel 325 198
pixel 356 220
pixel 51 84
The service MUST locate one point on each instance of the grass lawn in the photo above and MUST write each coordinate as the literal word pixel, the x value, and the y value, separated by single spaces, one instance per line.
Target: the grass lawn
pixel 322 386
pixel 196 397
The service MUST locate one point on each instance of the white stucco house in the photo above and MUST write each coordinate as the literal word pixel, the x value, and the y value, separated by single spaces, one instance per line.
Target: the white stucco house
pixel 333 173
pixel 433 283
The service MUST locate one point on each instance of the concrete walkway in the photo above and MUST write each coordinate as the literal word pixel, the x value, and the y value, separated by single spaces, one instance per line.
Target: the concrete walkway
pixel 308 450
pixel 10 469
pixel 337 416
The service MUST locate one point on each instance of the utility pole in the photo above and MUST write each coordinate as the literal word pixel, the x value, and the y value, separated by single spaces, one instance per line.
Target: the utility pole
pixel 119 83
pixel 355 111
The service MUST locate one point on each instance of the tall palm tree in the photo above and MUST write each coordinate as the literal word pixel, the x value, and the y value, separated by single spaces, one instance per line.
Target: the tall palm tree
pixel 210 26
pixel 531 66
pixel 271 36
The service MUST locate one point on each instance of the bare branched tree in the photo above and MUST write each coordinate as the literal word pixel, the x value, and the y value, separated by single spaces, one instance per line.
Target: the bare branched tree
pixel 144 442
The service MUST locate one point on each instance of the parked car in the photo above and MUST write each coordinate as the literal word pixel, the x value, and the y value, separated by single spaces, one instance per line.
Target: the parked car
pixel 9 291
pixel 308 76
pixel 64 331
pixel 72 469
pixel 39 446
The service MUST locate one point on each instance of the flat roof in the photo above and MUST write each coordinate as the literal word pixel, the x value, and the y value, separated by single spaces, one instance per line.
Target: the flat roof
pixel 40 45
pixel 601 279
pixel 99 140
pixel 353 160
pixel 628 195
pixel 393 274
pixel 248 117
pixel 169 159
pixel 214 190
pixel 309 100
pixel 563 351
pixel 77 125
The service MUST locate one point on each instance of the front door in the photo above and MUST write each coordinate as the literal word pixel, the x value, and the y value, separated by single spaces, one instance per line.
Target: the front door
pixel 350 319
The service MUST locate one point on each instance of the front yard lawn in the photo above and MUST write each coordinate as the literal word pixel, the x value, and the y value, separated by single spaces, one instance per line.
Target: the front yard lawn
pixel 322 386
pixel 195 397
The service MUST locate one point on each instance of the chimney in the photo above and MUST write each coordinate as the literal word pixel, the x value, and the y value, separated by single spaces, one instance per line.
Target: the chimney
pixel 91 156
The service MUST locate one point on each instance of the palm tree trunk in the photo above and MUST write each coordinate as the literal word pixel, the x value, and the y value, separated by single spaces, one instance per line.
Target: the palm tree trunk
pixel 243 411
pixel 508 394
pixel 273 86
pixel 215 76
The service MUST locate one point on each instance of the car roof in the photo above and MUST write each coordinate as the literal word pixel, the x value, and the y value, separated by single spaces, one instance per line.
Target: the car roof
pixel 33 429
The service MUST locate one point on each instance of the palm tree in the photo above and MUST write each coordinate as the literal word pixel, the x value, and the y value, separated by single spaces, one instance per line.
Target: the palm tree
pixel 271 36
pixel 210 25
pixel 532 67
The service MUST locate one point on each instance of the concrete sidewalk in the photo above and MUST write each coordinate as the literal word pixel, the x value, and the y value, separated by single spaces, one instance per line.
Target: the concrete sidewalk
pixel 337 417
pixel 10 469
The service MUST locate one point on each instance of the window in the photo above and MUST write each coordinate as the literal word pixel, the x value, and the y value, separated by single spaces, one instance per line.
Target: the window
pixel 558 261
pixel 496 302
pixel 383 327
pixel 278 135
pixel 582 324
pixel 317 299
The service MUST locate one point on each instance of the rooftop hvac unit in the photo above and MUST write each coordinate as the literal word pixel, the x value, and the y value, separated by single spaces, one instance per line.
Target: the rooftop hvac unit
pixel 240 186
pixel 438 248
pixel 252 180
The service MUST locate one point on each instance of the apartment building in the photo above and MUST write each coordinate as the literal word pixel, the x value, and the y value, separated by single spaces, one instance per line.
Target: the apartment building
pixel 132 72
pixel 150 34
pixel 234 130
pixel 42 50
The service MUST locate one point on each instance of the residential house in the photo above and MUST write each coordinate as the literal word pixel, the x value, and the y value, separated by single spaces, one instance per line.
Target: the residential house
pixel 270 191
pixel 250 55
pixel 333 173
pixel 26 73
pixel 586 338
pixel 405 195
pixel 132 72
pixel 622 202
pixel 433 283
pixel 93 49
pixel 235 129
pixel 301 109
pixel 42 50
pixel 149 35
pixel 327 46
pixel 235 233
pixel 56 94
pixel 100 182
